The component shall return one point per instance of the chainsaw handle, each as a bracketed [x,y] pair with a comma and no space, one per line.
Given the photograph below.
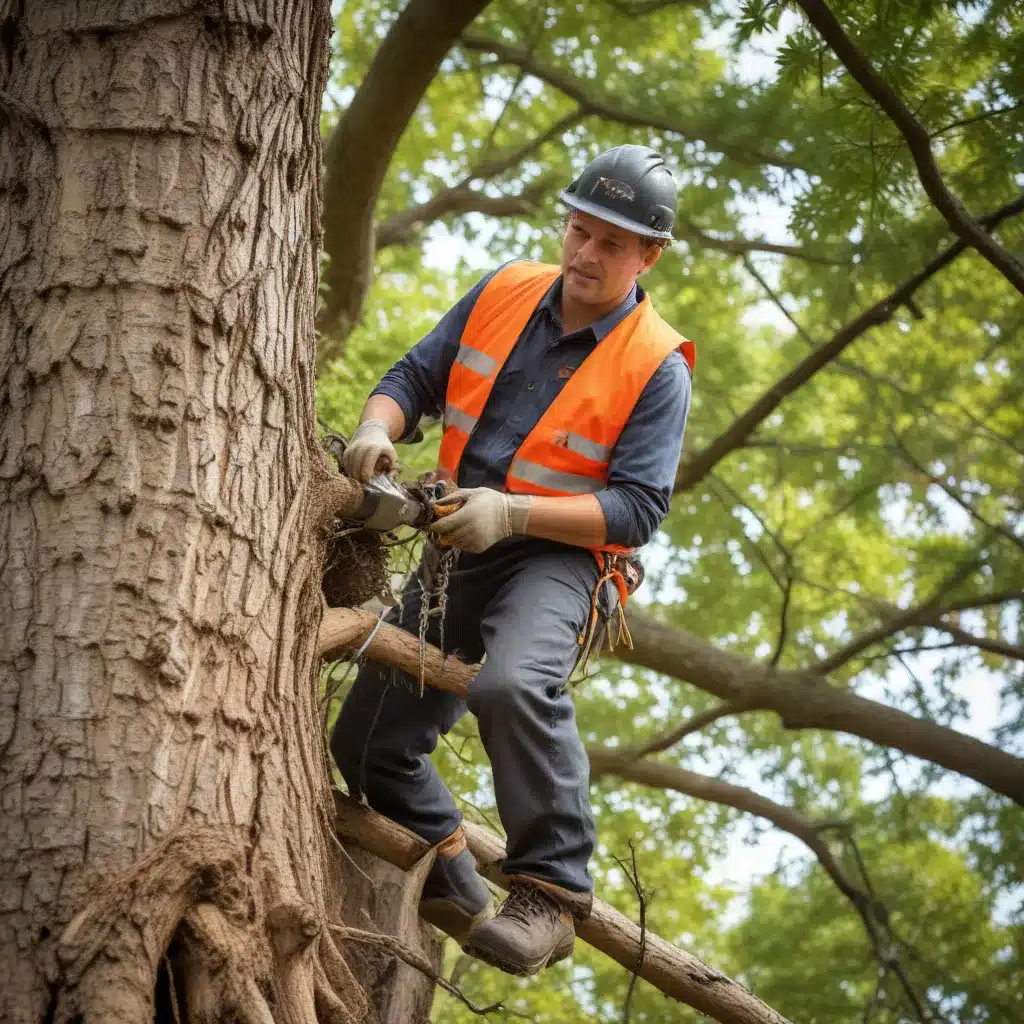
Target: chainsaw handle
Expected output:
[442,509]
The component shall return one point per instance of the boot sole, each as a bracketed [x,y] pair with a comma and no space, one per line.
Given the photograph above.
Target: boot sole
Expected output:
[519,969]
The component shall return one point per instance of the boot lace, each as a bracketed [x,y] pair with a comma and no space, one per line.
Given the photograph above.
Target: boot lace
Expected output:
[524,902]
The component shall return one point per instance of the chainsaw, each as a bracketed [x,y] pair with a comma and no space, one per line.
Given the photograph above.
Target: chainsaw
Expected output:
[388,504]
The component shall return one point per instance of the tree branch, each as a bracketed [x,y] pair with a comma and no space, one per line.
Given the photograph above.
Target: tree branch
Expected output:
[985,115]
[594,103]
[954,495]
[663,741]
[393,945]
[638,8]
[693,470]
[402,227]
[690,232]
[898,622]
[804,700]
[918,141]
[605,761]
[983,643]
[673,971]
[361,147]
[460,198]
[609,761]
[504,162]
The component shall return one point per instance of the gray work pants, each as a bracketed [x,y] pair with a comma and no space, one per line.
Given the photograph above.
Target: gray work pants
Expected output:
[523,603]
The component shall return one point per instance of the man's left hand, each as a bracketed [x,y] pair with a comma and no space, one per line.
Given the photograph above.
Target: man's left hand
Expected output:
[485,517]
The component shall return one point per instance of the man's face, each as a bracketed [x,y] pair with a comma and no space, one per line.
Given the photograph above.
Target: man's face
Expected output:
[600,262]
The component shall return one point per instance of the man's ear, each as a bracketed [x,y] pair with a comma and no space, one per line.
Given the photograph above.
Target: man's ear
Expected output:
[651,256]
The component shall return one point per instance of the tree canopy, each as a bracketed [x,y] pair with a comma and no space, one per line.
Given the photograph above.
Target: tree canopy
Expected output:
[829,644]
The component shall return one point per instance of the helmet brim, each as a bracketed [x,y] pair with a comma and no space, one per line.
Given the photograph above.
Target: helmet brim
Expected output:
[586,206]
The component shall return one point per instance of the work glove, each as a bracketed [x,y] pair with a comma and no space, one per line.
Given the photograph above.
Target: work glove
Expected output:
[484,517]
[369,451]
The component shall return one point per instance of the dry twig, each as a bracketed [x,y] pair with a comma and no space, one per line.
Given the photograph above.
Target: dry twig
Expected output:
[642,896]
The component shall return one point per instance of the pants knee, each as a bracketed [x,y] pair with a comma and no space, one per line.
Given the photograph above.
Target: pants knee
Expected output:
[508,690]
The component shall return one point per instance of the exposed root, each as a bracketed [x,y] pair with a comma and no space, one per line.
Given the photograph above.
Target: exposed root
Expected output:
[235,962]
[222,962]
[111,951]
[336,977]
[329,1007]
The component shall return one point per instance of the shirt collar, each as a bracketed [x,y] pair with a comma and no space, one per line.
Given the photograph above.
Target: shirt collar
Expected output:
[552,306]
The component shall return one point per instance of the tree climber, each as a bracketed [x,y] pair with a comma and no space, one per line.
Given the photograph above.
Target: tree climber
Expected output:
[564,399]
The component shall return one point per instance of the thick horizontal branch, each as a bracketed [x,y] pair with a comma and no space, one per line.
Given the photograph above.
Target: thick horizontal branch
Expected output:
[918,141]
[362,145]
[673,971]
[594,102]
[805,700]
[694,469]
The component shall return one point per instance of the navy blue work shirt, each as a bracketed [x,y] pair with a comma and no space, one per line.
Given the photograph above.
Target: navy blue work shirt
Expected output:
[642,469]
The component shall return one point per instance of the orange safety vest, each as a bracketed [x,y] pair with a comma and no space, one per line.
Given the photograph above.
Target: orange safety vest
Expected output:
[569,449]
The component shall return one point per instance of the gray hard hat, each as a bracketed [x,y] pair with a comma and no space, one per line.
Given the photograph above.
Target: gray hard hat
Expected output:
[630,187]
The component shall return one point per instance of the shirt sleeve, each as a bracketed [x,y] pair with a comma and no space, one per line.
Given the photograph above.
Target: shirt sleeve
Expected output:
[642,471]
[419,380]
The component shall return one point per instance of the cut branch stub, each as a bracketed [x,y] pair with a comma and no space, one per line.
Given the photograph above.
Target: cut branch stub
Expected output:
[348,629]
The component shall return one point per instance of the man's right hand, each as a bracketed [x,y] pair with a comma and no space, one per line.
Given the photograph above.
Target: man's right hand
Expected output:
[369,452]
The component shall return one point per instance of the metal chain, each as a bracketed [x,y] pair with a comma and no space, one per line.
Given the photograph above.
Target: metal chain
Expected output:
[438,590]
[448,560]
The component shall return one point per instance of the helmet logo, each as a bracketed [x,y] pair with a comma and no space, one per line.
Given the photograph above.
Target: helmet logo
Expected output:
[614,189]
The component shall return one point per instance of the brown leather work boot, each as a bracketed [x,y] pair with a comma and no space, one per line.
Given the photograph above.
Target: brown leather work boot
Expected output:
[454,895]
[533,929]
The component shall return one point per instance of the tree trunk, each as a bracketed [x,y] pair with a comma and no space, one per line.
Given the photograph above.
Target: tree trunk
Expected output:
[165,811]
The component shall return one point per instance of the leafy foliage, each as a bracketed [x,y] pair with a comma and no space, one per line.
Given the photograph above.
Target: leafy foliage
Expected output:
[866,490]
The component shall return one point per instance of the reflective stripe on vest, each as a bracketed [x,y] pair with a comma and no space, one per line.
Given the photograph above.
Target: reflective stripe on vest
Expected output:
[553,479]
[478,362]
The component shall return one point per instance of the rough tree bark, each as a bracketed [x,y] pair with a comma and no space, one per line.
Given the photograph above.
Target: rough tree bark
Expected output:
[161,515]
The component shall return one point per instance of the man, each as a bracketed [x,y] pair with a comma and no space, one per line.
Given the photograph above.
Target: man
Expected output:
[564,398]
